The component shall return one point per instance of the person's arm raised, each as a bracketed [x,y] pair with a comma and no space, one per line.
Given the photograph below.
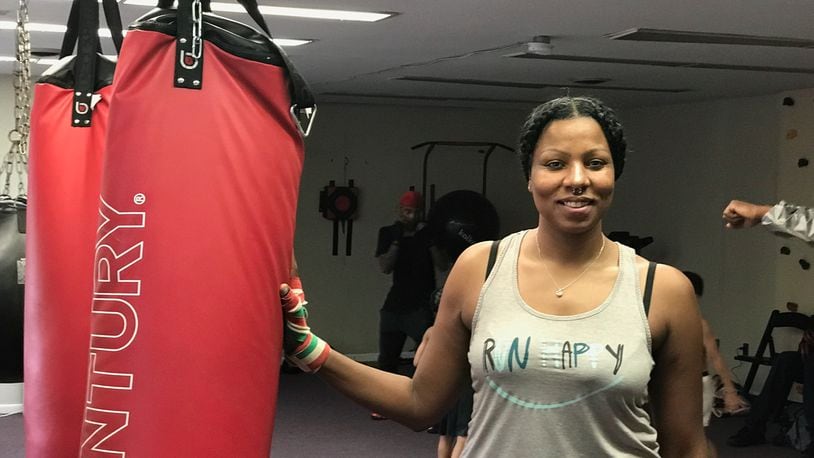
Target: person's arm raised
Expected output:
[739,214]
[782,218]
[675,383]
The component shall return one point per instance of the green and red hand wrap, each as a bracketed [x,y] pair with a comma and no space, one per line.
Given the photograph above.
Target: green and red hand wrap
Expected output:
[301,346]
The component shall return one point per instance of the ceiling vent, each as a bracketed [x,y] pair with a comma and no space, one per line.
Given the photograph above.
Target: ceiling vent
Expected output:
[681,36]
[361,95]
[590,81]
[664,63]
[525,85]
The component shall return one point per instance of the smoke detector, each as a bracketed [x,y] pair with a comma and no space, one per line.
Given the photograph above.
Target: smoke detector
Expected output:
[541,45]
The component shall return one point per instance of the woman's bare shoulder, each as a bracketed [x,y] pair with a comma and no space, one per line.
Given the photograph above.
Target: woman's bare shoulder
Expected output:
[667,280]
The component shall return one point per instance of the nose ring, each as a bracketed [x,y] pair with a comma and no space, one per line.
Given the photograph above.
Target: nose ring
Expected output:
[578,191]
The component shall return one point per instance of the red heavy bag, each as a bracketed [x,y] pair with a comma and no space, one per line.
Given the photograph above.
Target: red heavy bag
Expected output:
[197,214]
[68,125]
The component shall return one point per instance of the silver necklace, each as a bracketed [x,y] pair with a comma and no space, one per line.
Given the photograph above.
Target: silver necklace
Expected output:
[561,290]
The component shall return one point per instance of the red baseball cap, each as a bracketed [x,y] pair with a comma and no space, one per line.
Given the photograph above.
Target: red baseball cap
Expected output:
[410,199]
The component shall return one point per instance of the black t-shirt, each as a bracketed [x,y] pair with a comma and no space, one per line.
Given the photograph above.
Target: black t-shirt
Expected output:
[413,277]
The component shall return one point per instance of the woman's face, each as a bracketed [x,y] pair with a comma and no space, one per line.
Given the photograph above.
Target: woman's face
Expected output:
[572,177]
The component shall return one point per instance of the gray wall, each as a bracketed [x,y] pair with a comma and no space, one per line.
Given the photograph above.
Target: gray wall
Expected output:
[795,140]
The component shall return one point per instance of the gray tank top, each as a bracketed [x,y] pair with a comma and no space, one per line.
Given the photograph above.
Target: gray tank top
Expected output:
[559,386]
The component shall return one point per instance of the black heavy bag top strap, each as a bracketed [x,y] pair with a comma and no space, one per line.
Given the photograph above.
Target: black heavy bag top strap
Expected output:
[83,27]
[114,23]
[301,95]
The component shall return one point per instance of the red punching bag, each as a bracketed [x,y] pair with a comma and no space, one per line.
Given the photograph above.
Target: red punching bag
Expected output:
[197,213]
[68,125]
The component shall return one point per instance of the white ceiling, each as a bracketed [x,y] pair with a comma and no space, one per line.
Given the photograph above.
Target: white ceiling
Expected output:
[452,39]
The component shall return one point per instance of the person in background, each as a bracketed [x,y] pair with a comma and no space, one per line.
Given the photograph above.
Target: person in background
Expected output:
[787,367]
[572,336]
[733,402]
[403,250]
[791,366]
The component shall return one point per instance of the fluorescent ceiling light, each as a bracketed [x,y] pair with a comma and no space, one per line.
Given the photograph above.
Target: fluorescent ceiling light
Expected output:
[290,42]
[34,27]
[34,60]
[105,33]
[310,13]
[42,27]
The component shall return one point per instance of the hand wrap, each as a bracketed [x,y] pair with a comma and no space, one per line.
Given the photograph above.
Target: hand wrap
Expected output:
[301,346]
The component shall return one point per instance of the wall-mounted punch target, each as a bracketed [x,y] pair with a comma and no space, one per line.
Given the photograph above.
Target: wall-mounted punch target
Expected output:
[339,204]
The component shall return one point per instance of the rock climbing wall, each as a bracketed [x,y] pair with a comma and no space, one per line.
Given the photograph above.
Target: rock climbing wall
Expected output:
[795,182]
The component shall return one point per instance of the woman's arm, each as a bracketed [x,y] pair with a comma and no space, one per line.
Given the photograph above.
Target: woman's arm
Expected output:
[675,384]
[732,400]
[420,401]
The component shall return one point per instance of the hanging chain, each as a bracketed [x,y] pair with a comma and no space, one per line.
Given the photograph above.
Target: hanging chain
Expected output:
[197,29]
[17,158]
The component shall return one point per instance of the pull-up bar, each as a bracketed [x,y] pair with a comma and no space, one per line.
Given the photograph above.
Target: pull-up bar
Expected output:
[489,149]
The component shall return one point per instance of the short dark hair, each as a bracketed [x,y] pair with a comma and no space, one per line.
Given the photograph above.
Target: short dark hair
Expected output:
[570,108]
[697,282]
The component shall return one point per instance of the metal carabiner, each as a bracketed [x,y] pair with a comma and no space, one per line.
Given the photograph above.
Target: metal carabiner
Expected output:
[309,112]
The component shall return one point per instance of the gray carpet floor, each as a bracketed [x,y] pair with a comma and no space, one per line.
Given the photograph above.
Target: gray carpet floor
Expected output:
[339,428]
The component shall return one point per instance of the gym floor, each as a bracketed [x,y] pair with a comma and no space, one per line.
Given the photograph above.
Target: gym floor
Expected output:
[314,420]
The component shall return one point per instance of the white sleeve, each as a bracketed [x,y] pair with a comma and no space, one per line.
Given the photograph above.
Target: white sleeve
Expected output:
[791,219]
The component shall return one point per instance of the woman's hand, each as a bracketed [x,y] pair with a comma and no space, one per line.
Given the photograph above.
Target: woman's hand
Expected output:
[301,346]
[733,403]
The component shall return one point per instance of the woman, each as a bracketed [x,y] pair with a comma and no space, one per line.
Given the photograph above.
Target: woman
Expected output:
[564,357]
